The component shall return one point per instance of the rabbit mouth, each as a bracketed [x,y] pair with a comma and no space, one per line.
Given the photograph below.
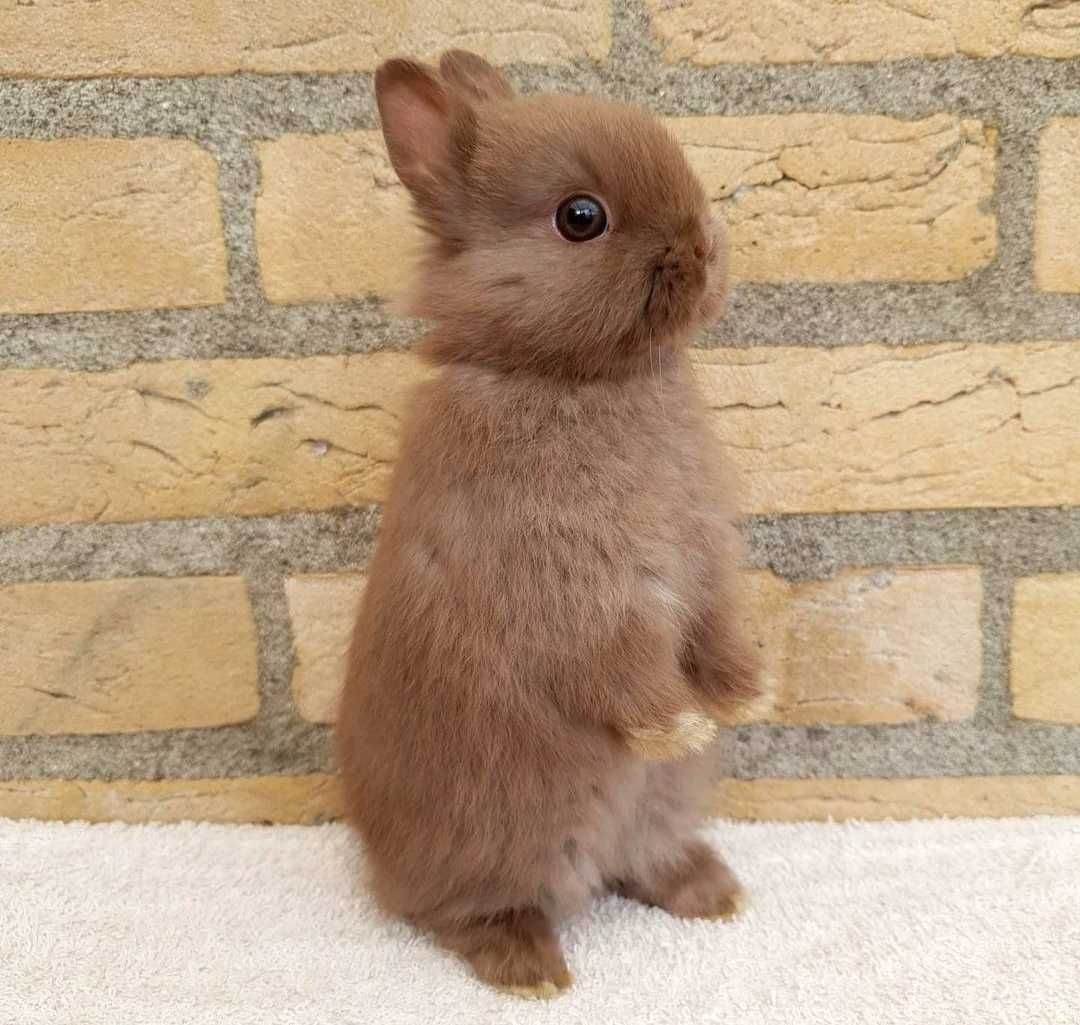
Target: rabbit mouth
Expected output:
[650,295]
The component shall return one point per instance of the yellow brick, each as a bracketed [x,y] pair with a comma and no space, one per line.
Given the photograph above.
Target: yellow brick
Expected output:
[226,437]
[1057,218]
[299,800]
[818,800]
[811,430]
[870,646]
[144,37]
[877,427]
[108,224]
[331,219]
[812,197]
[317,798]
[831,197]
[117,656]
[707,32]
[1045,648]
[323,610]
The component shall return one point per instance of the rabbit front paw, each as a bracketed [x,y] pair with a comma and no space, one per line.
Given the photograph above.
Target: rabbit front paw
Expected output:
[688,733]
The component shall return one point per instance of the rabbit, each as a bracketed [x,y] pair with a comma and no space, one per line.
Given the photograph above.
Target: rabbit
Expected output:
[550,624]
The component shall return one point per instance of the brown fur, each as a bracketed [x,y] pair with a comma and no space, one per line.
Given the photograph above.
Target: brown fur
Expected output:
[550,602]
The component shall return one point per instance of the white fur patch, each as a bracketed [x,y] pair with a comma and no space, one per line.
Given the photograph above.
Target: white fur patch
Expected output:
[666,595]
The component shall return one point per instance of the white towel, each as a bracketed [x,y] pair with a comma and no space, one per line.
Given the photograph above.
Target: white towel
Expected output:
[926,923]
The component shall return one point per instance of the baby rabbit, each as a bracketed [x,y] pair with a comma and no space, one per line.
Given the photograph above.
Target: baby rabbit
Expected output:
[548,622]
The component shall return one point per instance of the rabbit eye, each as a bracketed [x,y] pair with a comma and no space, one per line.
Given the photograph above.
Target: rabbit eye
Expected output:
[580,219]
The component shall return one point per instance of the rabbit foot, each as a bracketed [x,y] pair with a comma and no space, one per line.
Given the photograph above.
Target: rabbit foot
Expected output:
[515,952]
[700,885]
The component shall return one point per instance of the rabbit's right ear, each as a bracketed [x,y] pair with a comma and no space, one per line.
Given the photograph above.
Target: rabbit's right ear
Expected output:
[475,76]
[416,121]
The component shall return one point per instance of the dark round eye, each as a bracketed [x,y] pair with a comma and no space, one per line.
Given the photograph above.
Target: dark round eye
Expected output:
[580,219]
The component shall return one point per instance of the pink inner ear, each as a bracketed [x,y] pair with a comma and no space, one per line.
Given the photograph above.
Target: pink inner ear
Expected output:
[416,127]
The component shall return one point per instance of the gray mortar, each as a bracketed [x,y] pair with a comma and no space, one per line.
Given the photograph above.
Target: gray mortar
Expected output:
[229,115]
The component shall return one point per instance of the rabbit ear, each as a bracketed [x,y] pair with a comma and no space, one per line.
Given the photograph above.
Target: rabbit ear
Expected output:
[416,122]
[475,76]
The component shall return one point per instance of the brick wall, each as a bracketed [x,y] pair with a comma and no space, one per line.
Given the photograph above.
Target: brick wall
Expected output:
[200,384]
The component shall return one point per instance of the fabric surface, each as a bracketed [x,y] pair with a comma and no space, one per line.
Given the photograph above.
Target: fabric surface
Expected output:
[935,923]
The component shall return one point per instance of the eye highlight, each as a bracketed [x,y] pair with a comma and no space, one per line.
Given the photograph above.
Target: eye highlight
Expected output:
[580,219]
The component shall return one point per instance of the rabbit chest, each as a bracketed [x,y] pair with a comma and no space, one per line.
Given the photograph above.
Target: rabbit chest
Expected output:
[581,499]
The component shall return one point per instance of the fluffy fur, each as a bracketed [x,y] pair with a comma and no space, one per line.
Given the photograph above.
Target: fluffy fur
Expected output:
[548,620]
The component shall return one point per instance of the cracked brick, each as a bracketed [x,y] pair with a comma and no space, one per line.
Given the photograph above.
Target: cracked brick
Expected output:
[87,38]
[837,198]
[806,197]
[878,428]
[130,444]
[809,430]
[710,32]
[118,656]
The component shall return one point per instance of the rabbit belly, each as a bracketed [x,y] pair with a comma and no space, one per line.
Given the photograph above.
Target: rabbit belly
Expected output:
[539,829]
[641,824]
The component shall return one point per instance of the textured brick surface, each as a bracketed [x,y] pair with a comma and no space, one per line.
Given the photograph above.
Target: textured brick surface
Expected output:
[322,609]
[884,645]
[139,37]
[108,224]
[298,800]
[117,656]
[870,646]
[792,800]
[812,430]
[825,197]
[193,438]
[1057,219]
[317,798]
[331,219]
[708,32]
[924,427]
[805,197]
[869,202]
[1045,671]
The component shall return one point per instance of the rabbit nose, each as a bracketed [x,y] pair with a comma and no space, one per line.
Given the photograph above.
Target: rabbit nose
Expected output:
[697,240]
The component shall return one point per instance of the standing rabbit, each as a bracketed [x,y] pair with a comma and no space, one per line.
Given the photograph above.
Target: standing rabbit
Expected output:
[548,622]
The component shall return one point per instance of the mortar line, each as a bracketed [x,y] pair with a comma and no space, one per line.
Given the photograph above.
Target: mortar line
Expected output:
[238,186]
[1016,541]
[264,106]
[286,739]
[275,644]
[823,751]
[994,710]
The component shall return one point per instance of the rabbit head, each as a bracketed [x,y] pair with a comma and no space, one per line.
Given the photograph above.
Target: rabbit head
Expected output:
[567,234]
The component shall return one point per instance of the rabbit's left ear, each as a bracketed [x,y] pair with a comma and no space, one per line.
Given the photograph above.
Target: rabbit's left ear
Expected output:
[474,76]
[416,113]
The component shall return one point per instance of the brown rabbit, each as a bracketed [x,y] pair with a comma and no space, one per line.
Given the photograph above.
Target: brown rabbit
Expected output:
[548,618]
